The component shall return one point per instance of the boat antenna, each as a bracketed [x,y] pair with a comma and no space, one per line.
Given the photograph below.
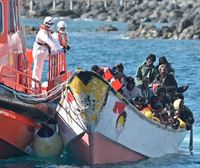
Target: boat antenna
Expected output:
[191,141]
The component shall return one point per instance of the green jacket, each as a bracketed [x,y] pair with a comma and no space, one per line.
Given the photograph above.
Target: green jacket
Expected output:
[144,71]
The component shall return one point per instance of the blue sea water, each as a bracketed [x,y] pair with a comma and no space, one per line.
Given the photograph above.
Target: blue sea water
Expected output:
[89,47]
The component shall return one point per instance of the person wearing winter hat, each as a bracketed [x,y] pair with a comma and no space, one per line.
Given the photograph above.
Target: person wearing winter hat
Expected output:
[166,80]
[163,60]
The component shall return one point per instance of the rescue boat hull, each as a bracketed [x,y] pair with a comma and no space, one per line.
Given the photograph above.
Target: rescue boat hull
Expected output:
[24,102]
[8,150]
[106,124]
[16,133]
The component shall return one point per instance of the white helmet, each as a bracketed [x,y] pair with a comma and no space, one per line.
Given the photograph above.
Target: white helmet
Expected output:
[48,21]
[61,27]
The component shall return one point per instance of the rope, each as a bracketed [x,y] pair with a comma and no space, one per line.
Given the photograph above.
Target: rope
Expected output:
[80,125]
[39,98]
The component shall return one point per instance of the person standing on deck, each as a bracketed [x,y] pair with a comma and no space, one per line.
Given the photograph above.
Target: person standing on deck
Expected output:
[60,36]
[43,47]
[147,70]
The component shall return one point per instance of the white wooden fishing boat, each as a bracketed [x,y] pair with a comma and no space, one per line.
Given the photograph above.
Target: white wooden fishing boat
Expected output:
[99,126]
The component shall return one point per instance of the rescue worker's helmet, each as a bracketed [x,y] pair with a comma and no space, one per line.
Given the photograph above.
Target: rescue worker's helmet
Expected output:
[49,22]
[61,27]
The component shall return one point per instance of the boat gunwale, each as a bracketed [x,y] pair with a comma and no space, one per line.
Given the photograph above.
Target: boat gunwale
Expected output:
[19,118]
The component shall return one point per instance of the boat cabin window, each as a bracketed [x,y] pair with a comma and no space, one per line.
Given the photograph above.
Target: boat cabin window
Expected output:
[1,17]
[13,16]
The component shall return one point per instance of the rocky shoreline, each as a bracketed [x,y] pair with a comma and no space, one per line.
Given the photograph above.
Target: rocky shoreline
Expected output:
[166,19]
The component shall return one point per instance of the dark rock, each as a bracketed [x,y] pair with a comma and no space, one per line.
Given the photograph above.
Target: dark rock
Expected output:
[152,4]
[196,23]
[87,16]
[102,16]
[123,17]
[186,33]
[132,11]
[184,23]
[107,28]
[174,16]
[147,19]
[133,25]
[166,29]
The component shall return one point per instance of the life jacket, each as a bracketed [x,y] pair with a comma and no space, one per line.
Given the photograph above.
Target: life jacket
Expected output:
[63,41]
[107,74]
[43,27]
[116,84]
[147,111]
[182,124]
[156,119]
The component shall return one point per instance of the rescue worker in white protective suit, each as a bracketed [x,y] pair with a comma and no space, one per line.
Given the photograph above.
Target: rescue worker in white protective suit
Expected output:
[44,45]
[61,37]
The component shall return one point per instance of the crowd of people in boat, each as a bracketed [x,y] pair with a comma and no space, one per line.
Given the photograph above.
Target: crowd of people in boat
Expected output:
[154,91]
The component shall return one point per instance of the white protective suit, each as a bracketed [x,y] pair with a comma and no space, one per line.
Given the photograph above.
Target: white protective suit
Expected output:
[41,51]
[60,37]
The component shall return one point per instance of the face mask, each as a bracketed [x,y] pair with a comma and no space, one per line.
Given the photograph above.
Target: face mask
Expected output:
[62,31]
[49,27]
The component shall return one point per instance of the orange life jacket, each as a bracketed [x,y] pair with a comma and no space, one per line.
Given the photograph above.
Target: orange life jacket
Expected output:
[44,28]
[147,108]
[116,84]
[63,42]
[107,74]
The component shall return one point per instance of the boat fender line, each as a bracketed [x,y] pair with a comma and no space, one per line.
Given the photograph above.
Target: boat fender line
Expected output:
[191,141]
[52,124]
[40,111]
[32,99]
[67,111]
[47,143]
